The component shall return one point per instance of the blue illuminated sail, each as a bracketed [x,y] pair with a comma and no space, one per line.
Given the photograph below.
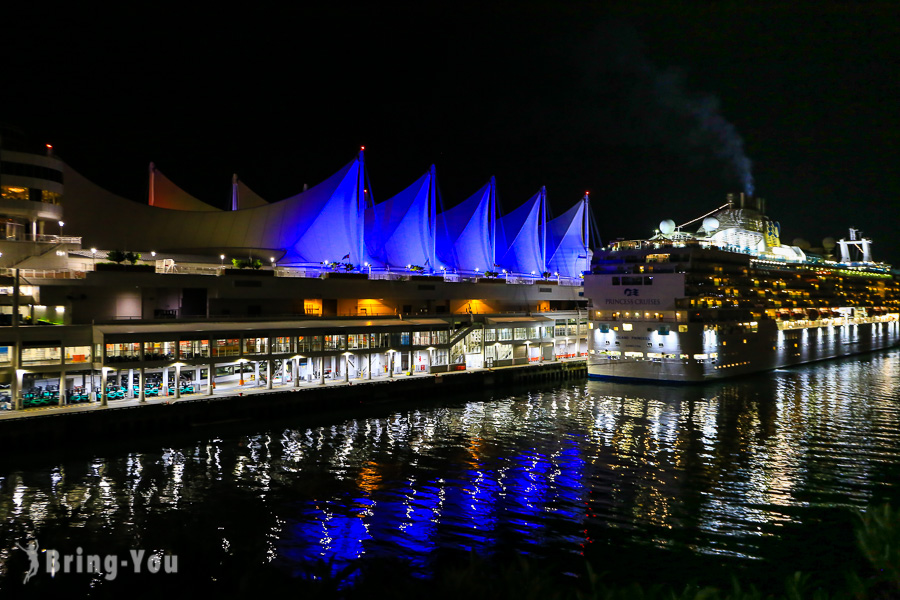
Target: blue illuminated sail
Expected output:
[465,233]
[520,237]
[400,230]
[567,250]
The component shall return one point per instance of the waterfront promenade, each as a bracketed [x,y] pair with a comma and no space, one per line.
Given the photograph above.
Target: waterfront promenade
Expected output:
[86,423]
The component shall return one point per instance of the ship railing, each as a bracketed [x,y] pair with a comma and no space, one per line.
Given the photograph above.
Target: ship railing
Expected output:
[44,273]
[519,280]
[571,281]
[388,276]
[807,323]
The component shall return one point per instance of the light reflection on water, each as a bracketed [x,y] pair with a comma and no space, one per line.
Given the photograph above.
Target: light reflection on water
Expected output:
[716,468]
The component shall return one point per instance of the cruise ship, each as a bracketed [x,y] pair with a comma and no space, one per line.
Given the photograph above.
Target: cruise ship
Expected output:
[721,296]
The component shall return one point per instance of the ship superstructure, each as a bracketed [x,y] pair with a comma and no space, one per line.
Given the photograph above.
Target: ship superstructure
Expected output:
[730,298]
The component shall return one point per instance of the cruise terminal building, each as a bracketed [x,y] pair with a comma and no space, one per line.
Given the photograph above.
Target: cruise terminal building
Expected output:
[103,297]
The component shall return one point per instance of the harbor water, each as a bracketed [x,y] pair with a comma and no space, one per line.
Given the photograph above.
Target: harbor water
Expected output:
[756,476]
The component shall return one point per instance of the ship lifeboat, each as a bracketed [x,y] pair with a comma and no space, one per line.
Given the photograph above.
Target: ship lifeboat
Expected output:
[785,316]
[812,314]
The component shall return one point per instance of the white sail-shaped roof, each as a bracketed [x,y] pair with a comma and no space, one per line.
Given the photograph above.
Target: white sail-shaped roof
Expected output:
[243,197]
[520,237]
[164,193]
[400,230]
[567,243]
[322,224]
[465,233]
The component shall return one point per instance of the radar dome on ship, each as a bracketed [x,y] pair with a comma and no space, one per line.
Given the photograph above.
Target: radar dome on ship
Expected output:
[666,227]
[710,223]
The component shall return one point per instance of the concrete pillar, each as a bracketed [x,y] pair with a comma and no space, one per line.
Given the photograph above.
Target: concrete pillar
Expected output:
[370,367]
[16,389]
[103,377]
[410,364]
[177,381]
[483,343]
[61,397]
[62,388]
[165,381]
[431,359]
[541,330]
[346,368]
[131,383]
[197,371]
[142,382]
[269,374]
[211,380]
[256,373]
[391,364]
[322,370]
[295,372]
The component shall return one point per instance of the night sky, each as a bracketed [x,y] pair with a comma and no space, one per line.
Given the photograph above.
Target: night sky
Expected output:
[657,109]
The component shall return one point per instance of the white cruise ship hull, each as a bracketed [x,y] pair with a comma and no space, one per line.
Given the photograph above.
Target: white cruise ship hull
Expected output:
[704,353]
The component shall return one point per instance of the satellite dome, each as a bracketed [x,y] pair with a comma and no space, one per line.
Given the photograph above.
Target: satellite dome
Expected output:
[666,227]
[710,223]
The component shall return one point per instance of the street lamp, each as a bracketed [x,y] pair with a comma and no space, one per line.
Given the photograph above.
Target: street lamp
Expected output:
[222,260]
[272,261]
[94,258]
[61,228]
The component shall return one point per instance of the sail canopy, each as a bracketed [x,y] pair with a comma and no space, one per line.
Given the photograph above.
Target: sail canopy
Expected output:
[322,224]
[520,237]
[164,193]
[465,233]
[567,243]
[400,230]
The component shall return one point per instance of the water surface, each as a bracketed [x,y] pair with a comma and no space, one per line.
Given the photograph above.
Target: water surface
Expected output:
[756,474]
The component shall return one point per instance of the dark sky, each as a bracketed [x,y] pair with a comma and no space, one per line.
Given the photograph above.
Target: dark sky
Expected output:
[649,107]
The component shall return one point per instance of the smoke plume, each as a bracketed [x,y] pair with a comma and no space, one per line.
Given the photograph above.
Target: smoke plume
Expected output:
[645,105]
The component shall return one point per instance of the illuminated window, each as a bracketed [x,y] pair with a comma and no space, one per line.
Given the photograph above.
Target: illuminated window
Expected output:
[627,327]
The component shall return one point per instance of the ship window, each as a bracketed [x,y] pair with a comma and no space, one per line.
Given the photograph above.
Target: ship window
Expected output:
[627,327]
[616,281]
[682,328]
